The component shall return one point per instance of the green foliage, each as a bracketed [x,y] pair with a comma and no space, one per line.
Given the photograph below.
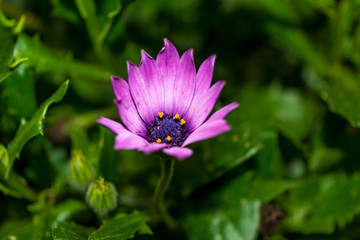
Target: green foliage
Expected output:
[292,65]
[68,231]
[122,227]
[321,203]
[6,50]
[33,127]
[240,222]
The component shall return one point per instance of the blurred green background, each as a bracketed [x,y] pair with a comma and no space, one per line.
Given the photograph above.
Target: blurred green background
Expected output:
[289,169]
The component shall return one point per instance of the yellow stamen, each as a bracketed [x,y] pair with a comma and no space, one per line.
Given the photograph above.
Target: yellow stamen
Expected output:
[168,138]
[177,116]
[158,140]
[161,114]
[182,122]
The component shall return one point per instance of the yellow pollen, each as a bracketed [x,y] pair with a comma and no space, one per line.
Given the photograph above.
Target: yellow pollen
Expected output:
[161,114]
[182,122]
[158,140]
[168,138]
[177,116]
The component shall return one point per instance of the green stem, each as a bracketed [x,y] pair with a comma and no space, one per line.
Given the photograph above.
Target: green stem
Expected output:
[167,169]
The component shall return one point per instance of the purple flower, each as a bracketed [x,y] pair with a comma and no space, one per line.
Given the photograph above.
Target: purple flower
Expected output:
[166,104]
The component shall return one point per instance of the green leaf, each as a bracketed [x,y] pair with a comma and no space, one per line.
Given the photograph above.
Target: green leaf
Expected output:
[121,227]
[65,11]
[29,129]
[6,51]
[321,203]
[240,222]
[340,89]
[20,230]
[26,229]
[324,157]
[46,60]
[296,42]
[70,231]
[250,188]
[268,159]
[250,133]
[15,185]
[99,27]
[20,85]
[68,208]
[281,9]
[87,11]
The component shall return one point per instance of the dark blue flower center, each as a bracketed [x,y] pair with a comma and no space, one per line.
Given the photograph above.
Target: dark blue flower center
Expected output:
[167,129]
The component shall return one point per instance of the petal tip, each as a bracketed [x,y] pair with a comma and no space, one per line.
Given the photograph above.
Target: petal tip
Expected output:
[130,66]
[212,59]
[99,119]
[115,78]
[167,43]
[144,55]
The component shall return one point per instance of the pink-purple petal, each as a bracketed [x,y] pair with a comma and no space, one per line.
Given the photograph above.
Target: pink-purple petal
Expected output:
[223,112]
[127,110]
[152,147]
[180,153]
[208,130]
[124,139]
[184,85]
[202,106]
[127,140]
[112,125]
[149,70]
[167,61]
[204,75]
[139,93]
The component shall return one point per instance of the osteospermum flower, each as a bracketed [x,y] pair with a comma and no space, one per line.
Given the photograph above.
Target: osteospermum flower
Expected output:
[166,104]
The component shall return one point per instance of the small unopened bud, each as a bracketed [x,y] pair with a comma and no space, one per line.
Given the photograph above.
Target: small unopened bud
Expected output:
[101,196]
[81,173]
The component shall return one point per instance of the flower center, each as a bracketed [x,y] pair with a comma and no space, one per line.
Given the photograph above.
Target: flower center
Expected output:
[167,129]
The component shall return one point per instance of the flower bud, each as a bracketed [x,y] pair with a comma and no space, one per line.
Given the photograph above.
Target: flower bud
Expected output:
[101,196]
[80,173]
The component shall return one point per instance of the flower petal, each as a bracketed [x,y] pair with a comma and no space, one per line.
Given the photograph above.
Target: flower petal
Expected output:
[152,147]
[202,106]
[127,110]
[139,93]
[124,139]
[127,140]
[149,70]
[208,130]
[180,153]
[204,75]
[184,85]
[167,61]
[223,112]
[112,125]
